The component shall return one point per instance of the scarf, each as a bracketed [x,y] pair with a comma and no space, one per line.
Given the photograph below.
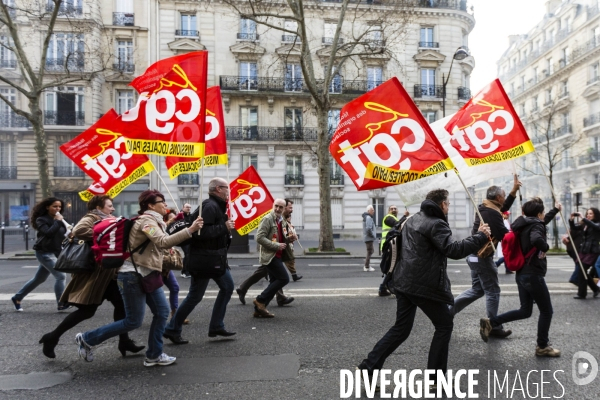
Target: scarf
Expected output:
[100,214]
[157,217]
[493,204]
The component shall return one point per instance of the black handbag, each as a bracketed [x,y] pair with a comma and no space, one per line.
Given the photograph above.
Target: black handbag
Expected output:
[76,257]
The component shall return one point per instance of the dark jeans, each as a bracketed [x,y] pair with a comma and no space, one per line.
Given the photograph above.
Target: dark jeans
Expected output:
[583,283]
[438,313]
[532,288]
[171,282]
[278,278]
[195,295]
[87,311]
[260,273]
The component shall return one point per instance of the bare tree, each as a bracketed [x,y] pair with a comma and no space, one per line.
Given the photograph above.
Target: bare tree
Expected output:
[360,30]
[30,23]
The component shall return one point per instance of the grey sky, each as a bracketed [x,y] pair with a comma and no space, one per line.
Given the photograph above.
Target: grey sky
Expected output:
[495,21]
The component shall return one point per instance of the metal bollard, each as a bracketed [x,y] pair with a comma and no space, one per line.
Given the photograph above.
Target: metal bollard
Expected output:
[26,237]
[2,238]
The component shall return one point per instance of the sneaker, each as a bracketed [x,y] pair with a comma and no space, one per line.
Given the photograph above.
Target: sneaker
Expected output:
[162,360]
[485,327]
[17,304]
[85,350]
[368,269]
[63,307]
[185,276]
[547,351]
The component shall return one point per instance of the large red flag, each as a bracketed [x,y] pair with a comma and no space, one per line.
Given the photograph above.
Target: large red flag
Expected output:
[487,129]
[101,153]
[215,150]
[250,201]
[168,118]
[383,140]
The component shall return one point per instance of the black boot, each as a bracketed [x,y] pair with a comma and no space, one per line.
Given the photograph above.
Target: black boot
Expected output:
[49,344]
[295,277]
[129,345]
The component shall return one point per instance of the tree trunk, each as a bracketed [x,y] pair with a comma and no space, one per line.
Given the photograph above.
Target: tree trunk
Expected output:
[554,201]
[41,146]
[323,157]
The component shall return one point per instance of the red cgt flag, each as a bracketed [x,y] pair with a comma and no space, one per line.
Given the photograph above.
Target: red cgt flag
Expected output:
[101,153]
[215,150]
[382,140]
[250,200]
[168,118]
[487,129]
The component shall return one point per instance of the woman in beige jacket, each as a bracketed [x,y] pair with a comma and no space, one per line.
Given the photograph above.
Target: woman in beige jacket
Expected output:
[150,228]
[88,291]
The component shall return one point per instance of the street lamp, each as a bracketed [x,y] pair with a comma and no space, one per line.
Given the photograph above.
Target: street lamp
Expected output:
[460,54]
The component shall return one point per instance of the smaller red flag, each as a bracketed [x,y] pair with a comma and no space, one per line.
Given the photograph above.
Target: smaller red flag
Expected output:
[250,200]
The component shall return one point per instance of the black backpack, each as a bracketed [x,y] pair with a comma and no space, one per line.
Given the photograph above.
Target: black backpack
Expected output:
[392,247]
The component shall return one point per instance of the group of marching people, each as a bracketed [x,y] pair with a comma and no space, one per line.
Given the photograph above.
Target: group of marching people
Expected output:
[205,237]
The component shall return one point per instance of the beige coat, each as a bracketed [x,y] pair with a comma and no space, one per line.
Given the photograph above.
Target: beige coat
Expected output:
[87,288]
[146,227]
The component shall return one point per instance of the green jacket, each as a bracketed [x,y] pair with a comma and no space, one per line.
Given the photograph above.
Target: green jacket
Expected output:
[266,229]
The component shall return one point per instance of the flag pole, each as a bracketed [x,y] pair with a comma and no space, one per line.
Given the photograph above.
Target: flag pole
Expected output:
[561,214]
[515,172]
[166,187]
[201,186]
[474,204]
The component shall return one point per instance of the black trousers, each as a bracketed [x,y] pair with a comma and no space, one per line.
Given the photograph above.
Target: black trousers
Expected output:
[260,273]
[583,283]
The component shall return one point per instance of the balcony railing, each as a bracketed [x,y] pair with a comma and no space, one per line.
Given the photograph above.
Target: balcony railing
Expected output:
[183,32]
[123,19]
[464,93]
[73,118]
[269,84]
[591,120]
[252,36]
[65,9]
[68,172]
[188,179]
[431,45]
[589,158]
[9,119]
[268,133]
[329,40]
[294,180]
[291,39]
[8,63]
[451,4]
[336,179]
[124,66]
[73,62]
[8,172]
[429,91]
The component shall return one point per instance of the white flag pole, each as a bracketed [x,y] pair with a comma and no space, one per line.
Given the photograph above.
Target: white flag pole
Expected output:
[166,187]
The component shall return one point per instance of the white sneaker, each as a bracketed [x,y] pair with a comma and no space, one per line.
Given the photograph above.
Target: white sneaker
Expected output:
[369,269]
[85,350]
[163,359]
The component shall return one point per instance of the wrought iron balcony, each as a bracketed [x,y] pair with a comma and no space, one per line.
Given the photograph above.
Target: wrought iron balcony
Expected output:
[65,9]
[291,39]
[591,120]
[124,66]
[269,84]
[591,157]
[336,179]
[8,63]
[123,19]
[68,172]
[73,62]
[451,4]
[8,172]
[252,36]
[294,180]
[430,45]
[73,118]
[464,93]
[329,41]
[188,179]
[429,91]
[269,133]
[184,32]
[8,119]
[375,44]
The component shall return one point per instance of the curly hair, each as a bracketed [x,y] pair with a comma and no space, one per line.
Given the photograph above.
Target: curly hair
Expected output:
[148,197]
[97,201]
[41,209]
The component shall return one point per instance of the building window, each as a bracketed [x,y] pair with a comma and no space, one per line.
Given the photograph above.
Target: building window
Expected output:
[293,78]
[594,72]
[336,82]
[336,174]
[426,37]
[124,61]
[247,30]
[430,116]
[534,103]
[337,213]
[428,82]
[8,154]
[293,170]
[535,75]
[65,106]
[289,37]
[564,88]
[248,76]
[566,57]
[7,115]
[293,123]
[65,52]
[7,57]
[63,166]
[124,100]
[548,95]
[378,205]
[249,122]
[188,25]
[333,119]
[374,77]
[549,66]
[124,15]
[329,32]
[249,160]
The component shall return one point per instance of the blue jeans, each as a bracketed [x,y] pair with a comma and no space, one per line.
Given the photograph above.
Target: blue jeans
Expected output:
[484,281]
[195,295]
[173,285]
[47,262]
[278,278]
[532,288]
[135,301]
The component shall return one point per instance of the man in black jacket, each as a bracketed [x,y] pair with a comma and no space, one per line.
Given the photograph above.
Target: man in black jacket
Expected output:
[207,245]
[484,272]
[420,280]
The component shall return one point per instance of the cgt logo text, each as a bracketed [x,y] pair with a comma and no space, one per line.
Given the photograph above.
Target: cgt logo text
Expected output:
[461,384]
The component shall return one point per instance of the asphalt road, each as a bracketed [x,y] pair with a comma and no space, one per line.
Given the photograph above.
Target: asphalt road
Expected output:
[334,322]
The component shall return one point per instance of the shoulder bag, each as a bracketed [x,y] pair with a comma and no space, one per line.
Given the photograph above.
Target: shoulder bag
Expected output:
[76,257]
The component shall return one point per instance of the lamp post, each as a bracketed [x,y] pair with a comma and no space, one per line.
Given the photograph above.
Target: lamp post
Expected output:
[460,54]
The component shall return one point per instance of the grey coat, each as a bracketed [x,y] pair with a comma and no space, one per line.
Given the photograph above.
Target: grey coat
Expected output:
[368,228]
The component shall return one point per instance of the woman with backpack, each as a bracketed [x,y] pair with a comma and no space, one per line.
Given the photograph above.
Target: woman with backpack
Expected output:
[51,231]
[139,281]
[87,291]
[589,250]
[531,284]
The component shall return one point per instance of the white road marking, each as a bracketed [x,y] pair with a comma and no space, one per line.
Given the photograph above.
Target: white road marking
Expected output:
[30,266]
